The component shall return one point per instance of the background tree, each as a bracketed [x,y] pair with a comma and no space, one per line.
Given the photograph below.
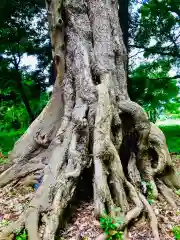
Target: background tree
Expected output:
[161,18]
[160,47]
[23,31]
[151,87]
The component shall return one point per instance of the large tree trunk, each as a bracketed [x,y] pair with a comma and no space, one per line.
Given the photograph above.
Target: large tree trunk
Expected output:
[89,121]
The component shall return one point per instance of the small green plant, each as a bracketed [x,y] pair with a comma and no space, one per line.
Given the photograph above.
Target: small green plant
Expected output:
[176,232]
[177,213]
[150,201]
[21,235]
[4,222]
[149,190]
[178,192]
[109,224]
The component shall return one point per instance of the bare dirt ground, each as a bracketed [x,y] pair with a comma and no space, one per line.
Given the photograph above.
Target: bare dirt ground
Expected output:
[83,223]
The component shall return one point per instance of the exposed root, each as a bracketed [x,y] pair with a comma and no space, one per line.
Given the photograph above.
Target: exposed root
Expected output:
[102,236]
[5,166]
[142,126]
[135,212]
[31,223]
[171,178]
[167,193]
[17,171]
[30,180]
[102,195]
[164,166]
[133,172]
[59,181]
[152,217]
[125,234]
[158,143]
[132,214]
[117,180]
[106,155]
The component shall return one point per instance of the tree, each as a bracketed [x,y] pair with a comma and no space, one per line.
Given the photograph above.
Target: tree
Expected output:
[89,121]
[20,34]
[154,31]
[161,18]
[152,88]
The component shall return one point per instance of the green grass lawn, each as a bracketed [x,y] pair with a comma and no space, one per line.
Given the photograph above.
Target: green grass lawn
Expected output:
[172,134]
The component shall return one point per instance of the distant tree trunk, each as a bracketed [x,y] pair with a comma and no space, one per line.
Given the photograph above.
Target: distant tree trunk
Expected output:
[89,121]
[153,115]
[23,96]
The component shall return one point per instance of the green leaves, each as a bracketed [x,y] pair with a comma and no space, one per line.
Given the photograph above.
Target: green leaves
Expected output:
[22,236]
[151,86]
[23,32]
[176,232]
[149,191]
[150,201]
[4,222]
[157,33]
[162,21]
[110,224]
[178,192]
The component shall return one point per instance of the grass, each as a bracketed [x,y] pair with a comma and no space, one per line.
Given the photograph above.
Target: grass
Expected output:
[172,134]
[7,140]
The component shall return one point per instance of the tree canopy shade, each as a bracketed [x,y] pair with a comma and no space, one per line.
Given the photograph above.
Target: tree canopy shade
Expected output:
[90,123]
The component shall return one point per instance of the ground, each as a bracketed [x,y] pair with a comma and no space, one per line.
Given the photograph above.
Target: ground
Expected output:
[83,222]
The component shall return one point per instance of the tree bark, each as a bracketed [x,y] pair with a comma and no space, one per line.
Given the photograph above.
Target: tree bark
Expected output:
[89,121]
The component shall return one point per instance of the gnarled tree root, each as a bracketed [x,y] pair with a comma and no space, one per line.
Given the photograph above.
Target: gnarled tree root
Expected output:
[152,217]
[166,193]
[98,120]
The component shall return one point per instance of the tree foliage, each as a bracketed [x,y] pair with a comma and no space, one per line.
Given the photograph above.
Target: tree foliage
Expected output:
[23,32]
[155,33]
[159,29]
[151,86]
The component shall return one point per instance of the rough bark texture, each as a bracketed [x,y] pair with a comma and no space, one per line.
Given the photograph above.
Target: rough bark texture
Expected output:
[89,121]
